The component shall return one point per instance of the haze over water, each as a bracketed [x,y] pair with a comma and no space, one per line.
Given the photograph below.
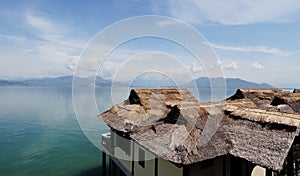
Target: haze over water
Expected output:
[40,134]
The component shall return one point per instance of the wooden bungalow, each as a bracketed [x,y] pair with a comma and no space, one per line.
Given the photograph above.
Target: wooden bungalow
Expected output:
[161,132]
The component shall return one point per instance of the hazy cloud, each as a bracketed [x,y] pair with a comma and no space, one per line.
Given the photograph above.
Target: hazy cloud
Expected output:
[257,66]
[167,23]
[234,12]
[258,49]
[71,64]
[12,38]
[43,23]
[229,66]
[195,68]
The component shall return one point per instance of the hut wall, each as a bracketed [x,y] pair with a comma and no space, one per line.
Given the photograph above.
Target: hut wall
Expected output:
[145,164]
[165,168]
[213,167]
[123,151]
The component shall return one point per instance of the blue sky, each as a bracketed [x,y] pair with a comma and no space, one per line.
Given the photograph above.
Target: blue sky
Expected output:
[256,41]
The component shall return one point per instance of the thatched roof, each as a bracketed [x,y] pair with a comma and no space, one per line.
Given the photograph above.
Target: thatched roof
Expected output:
[270,99]
[296,91]
[172,124]
[144,107]
[264,116]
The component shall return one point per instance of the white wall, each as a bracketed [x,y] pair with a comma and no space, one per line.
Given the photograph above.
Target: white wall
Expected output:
[149,169]
[258,171]
[165,168]
[122,156]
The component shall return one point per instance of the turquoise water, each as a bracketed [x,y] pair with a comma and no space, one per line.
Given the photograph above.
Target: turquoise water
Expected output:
[40,134]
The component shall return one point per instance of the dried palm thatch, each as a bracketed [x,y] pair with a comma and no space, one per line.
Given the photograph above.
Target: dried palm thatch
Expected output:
[144,107]
[264,116]
[172,124]
[270,99]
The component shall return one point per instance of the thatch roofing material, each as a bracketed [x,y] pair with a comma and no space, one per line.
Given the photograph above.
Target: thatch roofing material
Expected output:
[153,104]
[269,99]
[246,125]
[152,98]
[252,141]
[264,116]
[262,145]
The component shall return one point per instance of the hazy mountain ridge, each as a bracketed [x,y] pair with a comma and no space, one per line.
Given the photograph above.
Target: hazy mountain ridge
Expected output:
[66,81]
[10,83]
[232,83]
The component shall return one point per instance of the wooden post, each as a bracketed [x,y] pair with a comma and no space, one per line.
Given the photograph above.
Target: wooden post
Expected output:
[112,168]
[296,151]
[290,165]
[103,163]
[109,165]
[268,172]
[156,166]
[132,162]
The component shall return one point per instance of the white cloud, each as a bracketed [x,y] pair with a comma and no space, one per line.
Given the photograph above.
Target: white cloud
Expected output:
[45,52]
[108,69]
[234,12]
[229,66]
[62,40]
[258,49]
[38,22]
[71,64]
[50,30]
[195,68]
[153,76]
[44,24]
[12,38]
[257,66]
[167,23]
[144,63]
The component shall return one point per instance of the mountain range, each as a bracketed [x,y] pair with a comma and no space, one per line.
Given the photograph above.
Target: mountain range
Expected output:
[231,83]
[64,81]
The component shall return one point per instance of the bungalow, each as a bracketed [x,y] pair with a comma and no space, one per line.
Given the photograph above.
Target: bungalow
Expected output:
[161,132]
[296,91]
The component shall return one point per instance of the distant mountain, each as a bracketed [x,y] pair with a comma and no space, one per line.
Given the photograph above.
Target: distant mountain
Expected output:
[10,83]
[239,83]
[64,81]
[59,81]
[152,83]
[231,83]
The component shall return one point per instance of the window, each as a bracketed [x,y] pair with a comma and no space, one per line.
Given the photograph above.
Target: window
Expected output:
[142,158]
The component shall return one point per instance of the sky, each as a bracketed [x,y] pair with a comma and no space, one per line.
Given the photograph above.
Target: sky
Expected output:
[254,40]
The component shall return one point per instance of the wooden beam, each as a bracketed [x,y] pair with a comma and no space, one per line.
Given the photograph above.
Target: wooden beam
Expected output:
[132,162]
[103,163]
[156,166]
[268,172]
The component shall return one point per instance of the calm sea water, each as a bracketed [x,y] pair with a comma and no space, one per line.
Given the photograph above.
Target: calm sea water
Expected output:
[40,134]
